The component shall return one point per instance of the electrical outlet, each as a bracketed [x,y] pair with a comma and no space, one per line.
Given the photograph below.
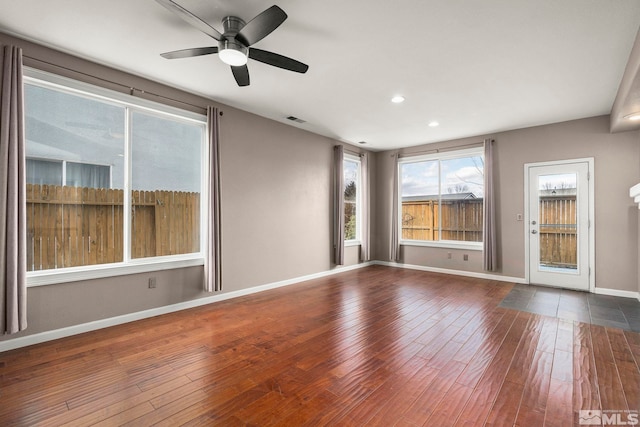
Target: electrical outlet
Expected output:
[152,282]
[448,255]
[465,257]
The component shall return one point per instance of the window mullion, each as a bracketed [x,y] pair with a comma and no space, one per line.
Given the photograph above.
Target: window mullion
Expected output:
[127,202]
[359,208]
[439,200]
[207,197]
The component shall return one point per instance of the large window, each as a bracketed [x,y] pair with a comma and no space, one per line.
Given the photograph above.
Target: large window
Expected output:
[111,180]
[352,205]
[441,198]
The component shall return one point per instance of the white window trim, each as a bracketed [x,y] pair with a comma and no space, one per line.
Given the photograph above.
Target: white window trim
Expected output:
[130,104]
[76,87]
[357,241]
[101,271]
[447,155]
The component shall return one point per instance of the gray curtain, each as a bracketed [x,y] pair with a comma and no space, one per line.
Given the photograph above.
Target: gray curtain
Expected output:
[365,250]
[489,228]
[338,205]
[213,257]
[13,217]
[395,239]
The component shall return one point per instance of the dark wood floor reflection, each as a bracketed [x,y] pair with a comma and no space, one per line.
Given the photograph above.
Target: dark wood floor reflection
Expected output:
[376,346]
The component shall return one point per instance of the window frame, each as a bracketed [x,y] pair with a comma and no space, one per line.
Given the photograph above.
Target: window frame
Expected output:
[356,159]
[438,156]
[130,104]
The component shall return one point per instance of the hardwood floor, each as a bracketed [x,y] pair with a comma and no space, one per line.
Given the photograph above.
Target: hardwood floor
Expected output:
[375,346]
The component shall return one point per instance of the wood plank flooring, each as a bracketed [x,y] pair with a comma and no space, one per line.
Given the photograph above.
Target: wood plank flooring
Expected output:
[378,346]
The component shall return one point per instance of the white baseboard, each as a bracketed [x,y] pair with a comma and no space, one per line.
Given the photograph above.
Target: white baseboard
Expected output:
[600,291]
[454,272]
[41,337]
[617,293]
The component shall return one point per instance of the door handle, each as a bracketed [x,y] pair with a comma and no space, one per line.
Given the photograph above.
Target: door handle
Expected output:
[534,231]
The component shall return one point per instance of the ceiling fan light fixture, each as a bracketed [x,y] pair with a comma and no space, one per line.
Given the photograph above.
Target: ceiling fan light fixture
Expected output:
[234,42]
[233,53]
[634,117]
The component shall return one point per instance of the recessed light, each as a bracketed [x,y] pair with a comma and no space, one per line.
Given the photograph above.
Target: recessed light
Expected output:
[433,124]
[397,99]
[633,116]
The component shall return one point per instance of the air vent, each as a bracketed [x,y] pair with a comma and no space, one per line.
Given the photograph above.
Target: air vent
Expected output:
[295,119]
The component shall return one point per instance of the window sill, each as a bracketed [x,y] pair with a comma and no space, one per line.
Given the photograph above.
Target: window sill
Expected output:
[468,246]
[75,274]
[352,243]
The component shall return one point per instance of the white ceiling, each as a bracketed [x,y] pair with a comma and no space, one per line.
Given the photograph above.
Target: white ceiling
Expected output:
[476,67]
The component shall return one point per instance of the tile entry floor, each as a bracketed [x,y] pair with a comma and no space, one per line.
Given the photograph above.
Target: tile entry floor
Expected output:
[603,310]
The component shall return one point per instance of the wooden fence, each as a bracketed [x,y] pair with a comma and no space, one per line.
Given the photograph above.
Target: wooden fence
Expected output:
[462,221]
[73,226]
[558,238]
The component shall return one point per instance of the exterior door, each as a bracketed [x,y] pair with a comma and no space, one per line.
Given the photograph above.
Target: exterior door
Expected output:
[558,229]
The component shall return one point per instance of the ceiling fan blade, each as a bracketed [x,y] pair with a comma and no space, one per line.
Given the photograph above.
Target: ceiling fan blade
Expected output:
[191,18]
[261,26]
[188,53]
[277,60]
[241,75]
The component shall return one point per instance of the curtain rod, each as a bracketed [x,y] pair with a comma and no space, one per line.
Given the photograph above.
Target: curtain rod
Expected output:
[131,89]
[442,150]
[355,153]
[347,150]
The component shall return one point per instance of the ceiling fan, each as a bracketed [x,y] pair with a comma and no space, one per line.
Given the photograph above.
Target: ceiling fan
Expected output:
[234,43]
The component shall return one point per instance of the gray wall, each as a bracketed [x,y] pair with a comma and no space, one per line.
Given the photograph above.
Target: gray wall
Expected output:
[276,201]
[616,169]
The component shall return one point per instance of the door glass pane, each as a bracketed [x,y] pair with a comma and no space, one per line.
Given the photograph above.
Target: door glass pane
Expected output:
[558,221]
